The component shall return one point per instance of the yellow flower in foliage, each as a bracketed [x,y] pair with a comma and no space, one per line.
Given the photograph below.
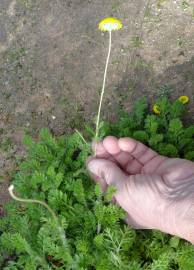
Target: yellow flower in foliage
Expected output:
[110,24]
[156,109]
[183,99]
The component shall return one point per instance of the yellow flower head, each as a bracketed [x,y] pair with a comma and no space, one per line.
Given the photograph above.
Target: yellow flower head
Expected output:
[156,109]
[110,24]
[183,99]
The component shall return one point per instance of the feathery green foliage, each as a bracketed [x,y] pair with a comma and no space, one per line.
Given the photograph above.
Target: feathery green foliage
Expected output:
[97,236]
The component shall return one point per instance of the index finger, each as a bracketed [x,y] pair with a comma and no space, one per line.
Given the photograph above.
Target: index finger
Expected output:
[138,150]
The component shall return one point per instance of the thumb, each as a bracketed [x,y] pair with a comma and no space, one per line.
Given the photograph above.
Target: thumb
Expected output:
[107,173]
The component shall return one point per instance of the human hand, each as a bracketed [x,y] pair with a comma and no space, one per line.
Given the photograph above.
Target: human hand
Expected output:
[156,192]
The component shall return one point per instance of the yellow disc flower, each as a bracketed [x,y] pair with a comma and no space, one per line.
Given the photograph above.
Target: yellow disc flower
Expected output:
[156,109]
[110,24]
[183,99]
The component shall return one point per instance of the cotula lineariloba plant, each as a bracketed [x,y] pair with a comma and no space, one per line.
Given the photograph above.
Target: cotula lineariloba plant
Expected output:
[107,24]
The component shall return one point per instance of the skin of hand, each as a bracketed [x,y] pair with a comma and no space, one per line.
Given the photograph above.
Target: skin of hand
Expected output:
[156,192]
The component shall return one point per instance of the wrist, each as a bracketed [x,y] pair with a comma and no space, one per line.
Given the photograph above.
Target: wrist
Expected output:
[188,233]
[185,230]
[180,225]
[185,223]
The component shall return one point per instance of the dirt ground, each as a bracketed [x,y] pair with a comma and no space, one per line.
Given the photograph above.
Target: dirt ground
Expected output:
[52,58]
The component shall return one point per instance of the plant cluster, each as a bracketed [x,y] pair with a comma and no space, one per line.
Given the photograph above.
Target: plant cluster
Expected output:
[93,229]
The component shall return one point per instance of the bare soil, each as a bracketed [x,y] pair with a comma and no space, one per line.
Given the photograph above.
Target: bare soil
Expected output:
[52,59]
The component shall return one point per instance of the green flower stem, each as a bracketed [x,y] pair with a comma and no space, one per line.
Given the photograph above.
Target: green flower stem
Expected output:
[77,131]
[101,97]
[103,89]
[98,227]
[60,230]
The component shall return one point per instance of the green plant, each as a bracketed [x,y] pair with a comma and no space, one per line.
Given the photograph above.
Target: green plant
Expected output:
[160,3]
[115,6]
[137,42]
[6,144]
[96,234]
[164,91]
[184,5]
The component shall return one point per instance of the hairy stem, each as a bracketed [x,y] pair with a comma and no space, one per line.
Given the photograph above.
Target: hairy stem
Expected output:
[103,88]
[60,230]
[77,131]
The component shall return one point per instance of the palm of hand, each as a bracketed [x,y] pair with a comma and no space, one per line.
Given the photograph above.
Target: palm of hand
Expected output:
[155,191]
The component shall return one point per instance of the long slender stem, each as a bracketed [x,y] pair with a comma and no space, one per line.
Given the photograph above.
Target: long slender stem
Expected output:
[77,131]
[61,232]
[103,88]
